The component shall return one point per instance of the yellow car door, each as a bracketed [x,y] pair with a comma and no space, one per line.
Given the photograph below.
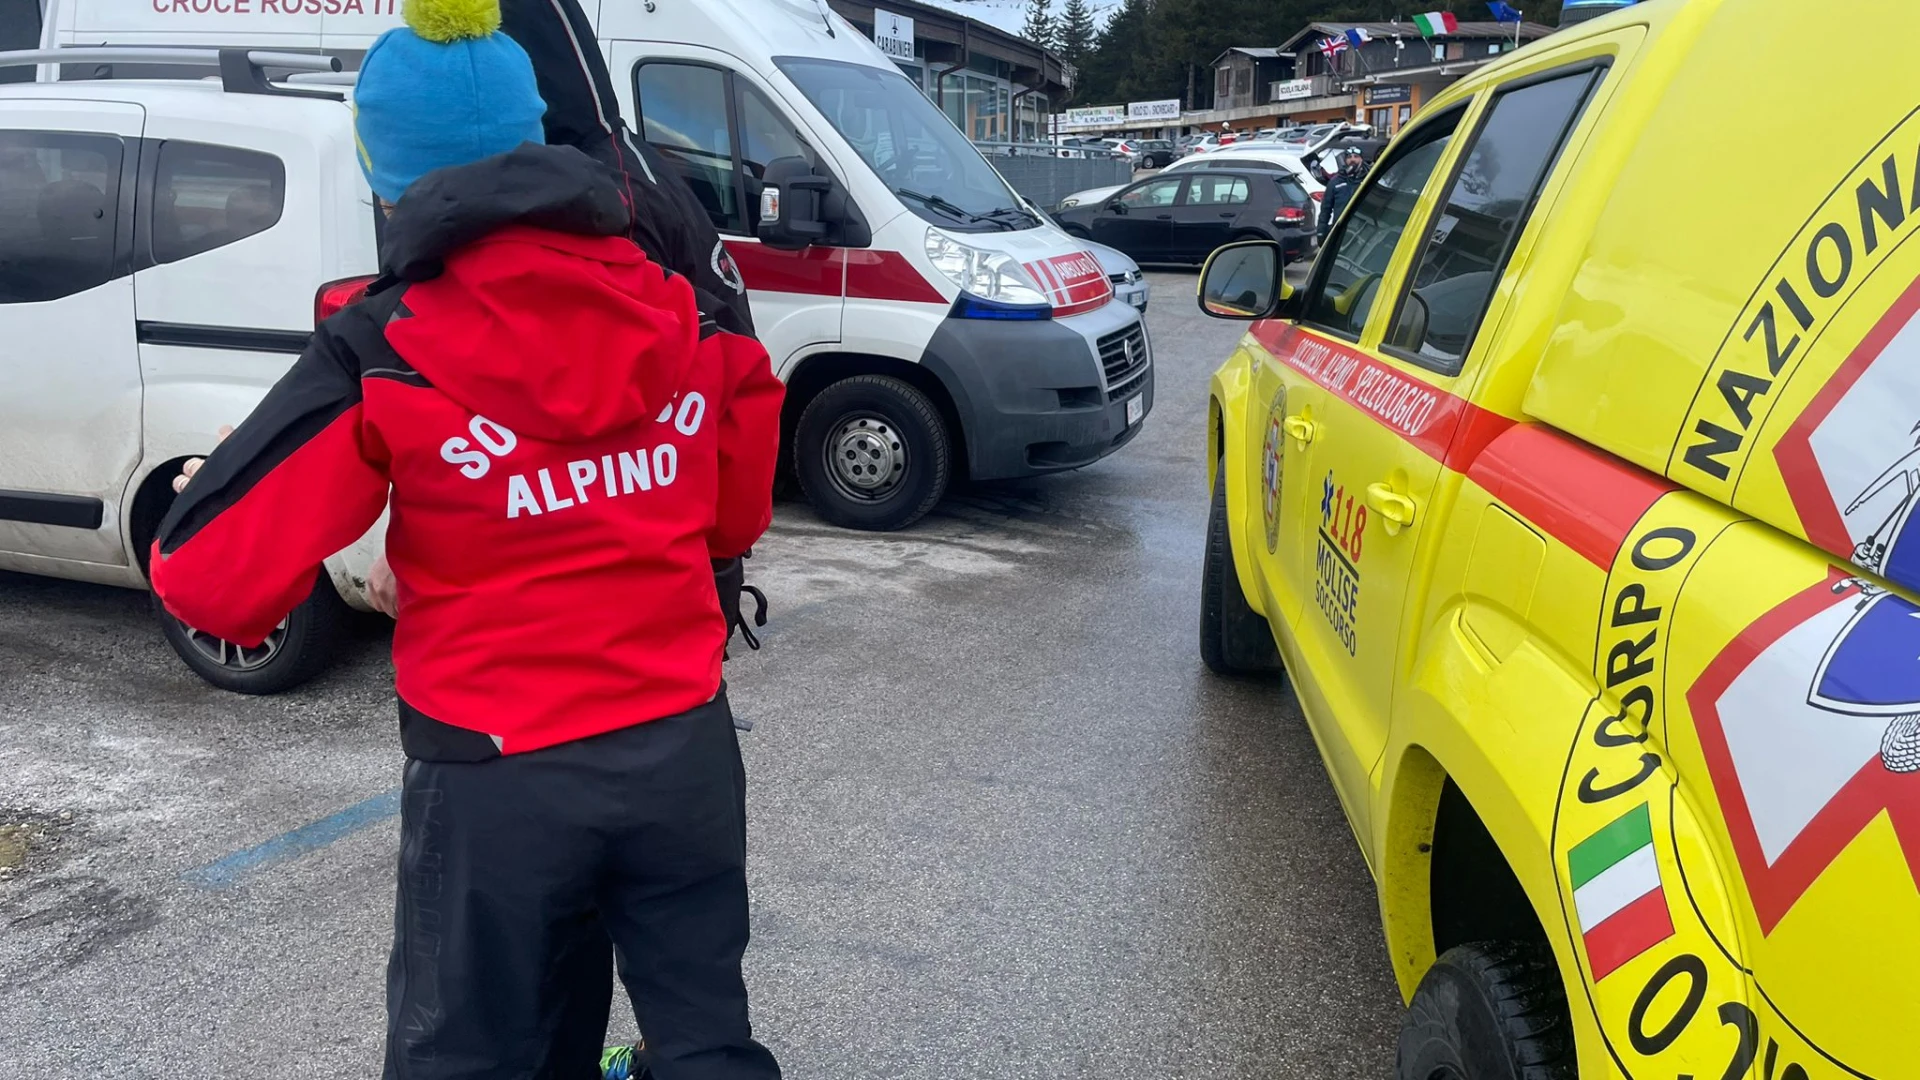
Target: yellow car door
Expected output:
[1392,315]
[1284,401]
[1319,358]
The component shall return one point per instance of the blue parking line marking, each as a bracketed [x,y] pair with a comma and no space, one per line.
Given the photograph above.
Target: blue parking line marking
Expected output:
[297,842]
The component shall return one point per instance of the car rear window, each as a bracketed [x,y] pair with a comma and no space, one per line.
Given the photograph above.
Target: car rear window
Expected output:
[1291,191]
[206,197]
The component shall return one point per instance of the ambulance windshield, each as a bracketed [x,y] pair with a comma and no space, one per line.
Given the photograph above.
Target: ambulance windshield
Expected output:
[913,147]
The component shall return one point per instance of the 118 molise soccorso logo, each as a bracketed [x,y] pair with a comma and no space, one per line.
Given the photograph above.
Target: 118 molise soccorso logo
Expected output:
[1342,539]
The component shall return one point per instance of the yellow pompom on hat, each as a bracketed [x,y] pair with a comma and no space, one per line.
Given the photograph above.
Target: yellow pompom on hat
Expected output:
[452,20]
[448,88]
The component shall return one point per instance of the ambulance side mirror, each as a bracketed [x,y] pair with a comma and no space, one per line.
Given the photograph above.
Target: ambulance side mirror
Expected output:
[801,205]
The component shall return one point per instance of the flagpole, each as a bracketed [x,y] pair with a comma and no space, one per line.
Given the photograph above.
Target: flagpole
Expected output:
[1516,26]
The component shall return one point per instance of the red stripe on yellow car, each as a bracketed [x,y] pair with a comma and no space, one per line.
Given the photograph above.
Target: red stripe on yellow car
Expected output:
[1522,465]
[1448,429]
[1531,468]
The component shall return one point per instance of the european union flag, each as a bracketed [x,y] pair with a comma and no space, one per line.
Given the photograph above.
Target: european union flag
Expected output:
[1874,667]
[1503,12]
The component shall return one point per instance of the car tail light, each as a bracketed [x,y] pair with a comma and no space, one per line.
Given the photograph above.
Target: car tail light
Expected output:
[335,295]
[1317,194]
[1289,215]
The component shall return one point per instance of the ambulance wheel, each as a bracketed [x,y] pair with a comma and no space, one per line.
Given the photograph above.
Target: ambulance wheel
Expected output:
[1489,1011]
[872,453]
[302,646]
[1234,639]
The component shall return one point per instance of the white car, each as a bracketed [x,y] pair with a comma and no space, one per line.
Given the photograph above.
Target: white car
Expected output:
[165,251]
[1304,162]
[1252,155]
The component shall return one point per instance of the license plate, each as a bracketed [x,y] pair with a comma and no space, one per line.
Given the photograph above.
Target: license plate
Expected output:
[1136,408]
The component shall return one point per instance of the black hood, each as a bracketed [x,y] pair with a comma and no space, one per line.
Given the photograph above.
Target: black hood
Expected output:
[547,187]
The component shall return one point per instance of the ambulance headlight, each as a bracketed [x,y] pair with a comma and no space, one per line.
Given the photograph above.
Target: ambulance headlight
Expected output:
[988,275]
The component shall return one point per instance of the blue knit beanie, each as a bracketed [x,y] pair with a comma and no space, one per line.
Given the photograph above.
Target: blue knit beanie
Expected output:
[446,89]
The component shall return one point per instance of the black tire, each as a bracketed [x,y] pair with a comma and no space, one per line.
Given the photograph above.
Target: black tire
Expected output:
[1234,639]
[1489,1011]
[305,648]
[880,429]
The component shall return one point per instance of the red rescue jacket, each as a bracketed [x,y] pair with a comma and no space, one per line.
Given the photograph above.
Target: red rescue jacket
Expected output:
[565,438]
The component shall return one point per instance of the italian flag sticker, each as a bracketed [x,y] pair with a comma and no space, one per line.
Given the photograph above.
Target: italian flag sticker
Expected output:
[1617,894]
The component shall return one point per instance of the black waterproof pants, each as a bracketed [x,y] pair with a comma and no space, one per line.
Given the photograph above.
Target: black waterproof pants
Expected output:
[513,870]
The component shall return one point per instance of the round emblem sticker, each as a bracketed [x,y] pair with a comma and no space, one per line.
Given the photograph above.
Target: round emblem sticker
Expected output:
[1270,452]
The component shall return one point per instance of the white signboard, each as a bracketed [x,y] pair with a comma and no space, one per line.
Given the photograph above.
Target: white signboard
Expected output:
[1292,89]
[1154,110]
[289,24]
[893,33]
[1098,116]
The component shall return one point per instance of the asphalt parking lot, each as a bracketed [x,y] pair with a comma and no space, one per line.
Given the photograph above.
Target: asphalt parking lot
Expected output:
[1003,822]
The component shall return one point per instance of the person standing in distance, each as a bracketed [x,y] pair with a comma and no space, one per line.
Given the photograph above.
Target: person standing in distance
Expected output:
[1353,168]
[566,438]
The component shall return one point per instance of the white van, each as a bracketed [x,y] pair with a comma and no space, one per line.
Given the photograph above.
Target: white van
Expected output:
[928,327]
[166,247]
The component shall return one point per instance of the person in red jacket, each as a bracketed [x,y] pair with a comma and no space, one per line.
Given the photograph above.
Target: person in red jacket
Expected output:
[567,437]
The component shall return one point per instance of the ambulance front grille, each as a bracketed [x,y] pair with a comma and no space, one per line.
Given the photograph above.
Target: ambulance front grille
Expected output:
[1123,360]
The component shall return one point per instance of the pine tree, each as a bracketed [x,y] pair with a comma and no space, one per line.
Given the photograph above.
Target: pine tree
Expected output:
[1076,31]
[1040,28]
[1075,36]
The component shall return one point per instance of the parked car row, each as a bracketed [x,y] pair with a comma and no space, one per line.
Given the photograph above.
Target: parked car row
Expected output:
[1184,216]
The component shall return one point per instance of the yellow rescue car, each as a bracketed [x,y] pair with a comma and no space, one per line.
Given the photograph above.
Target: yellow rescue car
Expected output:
[1577,488]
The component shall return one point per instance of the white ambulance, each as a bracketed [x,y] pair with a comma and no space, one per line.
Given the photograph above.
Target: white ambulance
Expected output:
[927,326]
[930,329]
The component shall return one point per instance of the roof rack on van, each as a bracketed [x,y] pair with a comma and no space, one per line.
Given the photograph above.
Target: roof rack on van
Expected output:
[242,71]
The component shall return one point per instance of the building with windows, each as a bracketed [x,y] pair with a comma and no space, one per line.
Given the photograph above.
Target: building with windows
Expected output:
[1255,88]
[1383,81]
[1395,70]
[995,86]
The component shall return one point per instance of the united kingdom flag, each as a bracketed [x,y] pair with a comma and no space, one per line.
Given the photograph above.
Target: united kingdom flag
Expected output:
[1332,47]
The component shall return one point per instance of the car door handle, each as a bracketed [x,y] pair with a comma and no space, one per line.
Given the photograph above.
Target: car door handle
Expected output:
[1299,429]
[1230,214]
[1390,504]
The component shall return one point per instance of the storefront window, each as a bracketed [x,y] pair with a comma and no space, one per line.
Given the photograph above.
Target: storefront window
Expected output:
[953,98]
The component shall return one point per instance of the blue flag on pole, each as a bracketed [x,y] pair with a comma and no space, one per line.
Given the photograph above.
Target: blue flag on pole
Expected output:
[1503,12]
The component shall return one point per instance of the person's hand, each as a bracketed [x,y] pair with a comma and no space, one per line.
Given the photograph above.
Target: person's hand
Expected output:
[382,590]
[193,464]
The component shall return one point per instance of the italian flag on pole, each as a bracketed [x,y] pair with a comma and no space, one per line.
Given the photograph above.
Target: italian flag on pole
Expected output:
[1436,22]
[1617,895]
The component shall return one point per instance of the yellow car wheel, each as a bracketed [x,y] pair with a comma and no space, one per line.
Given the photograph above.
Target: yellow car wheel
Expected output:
[1234,639]
[1489,1011]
